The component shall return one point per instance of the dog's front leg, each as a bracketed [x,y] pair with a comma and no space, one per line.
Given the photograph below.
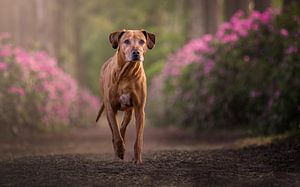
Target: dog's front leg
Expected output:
[139,120]
[118,141]
[125,122]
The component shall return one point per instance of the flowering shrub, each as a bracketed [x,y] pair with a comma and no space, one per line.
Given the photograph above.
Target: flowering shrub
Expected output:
[35,93]
[248,73]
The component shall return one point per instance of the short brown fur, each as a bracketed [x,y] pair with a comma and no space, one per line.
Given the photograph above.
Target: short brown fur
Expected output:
[123,87]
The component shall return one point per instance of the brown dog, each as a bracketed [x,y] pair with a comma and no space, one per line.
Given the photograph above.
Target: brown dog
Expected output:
[123,86]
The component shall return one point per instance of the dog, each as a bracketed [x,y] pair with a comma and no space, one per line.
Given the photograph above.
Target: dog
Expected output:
[123,87]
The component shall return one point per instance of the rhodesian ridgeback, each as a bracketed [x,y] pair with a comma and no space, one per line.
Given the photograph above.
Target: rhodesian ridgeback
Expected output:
[123,87]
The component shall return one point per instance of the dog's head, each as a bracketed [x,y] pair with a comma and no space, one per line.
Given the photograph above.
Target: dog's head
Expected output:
[132,44]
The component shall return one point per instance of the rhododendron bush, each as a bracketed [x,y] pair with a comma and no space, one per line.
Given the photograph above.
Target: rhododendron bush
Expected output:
[35,93]
[248,73]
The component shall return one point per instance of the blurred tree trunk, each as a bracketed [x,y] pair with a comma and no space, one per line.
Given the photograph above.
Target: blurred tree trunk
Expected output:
[232,6]
[27,22]
[77,51]
[213,15]
[5,22]
[76,44]
[58,26]
[178,14]
[204,17]
[261,5]
[41,27]
[16,22]
[197,18]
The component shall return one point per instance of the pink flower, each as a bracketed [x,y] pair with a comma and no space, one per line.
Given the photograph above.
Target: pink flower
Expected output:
[192,52]
[254,94]
[202,50]
[6,50]
[208,66]
[238,14]
[16,90]
[22,56]
[291,50]
[230,38]
[246,58]
[284,32]
[223,29]
[207,38]
[3,66]
[59,91]
[255,15]
[266,16]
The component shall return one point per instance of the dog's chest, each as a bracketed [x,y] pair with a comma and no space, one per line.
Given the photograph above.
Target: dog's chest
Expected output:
[127,90]
[125,101]
[123,97]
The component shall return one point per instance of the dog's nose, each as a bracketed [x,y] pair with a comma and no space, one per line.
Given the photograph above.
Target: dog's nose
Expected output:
[135,55]
[135,52]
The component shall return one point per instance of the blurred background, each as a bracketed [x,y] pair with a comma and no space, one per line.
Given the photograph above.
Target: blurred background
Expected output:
[217,64]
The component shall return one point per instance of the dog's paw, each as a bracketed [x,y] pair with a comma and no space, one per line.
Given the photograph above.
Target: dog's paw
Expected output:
[137,161]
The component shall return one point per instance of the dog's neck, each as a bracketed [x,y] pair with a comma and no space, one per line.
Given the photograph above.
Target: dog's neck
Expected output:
[128,70]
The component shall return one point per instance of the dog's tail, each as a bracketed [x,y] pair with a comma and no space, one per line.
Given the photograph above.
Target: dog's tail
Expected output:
[100,112]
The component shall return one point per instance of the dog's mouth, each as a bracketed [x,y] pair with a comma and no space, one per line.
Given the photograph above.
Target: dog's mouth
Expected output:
[136,59]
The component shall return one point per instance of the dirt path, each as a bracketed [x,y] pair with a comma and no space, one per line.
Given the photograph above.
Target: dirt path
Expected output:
[83,157]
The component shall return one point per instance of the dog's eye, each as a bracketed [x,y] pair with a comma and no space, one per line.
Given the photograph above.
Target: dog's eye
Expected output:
[141,42]
[127,42]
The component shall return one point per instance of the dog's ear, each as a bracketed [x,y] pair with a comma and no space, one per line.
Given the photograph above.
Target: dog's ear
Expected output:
[115,37]
[150,37]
